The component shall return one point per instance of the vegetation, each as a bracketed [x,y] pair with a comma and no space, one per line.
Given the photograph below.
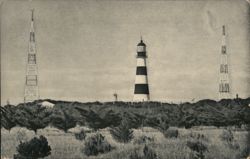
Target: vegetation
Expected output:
[63,120]
[125,120]
[143,140]
[122,133]
[148,153]
[198,149]
[246,151]
[33,117]
[65,145]
[96,145]
[96,115]
[227,136]
[33,149]
[135,155]
[7,118]
[171,133]
[81,135]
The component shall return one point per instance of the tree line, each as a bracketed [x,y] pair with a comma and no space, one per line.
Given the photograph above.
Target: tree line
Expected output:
[96,115]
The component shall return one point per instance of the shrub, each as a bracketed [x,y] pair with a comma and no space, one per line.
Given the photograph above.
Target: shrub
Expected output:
[81,135]
[198,136]
[33,149]
[198,148]
[149,153]
[244,153]
[135,155]
[143,139]
[163,125]
[171,133]
[122,133]
[234,145]
[32,117]
[63,121]
[7,122]
[96,144]
[227,136]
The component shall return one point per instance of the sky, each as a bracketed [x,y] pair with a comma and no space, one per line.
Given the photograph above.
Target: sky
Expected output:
[86,50]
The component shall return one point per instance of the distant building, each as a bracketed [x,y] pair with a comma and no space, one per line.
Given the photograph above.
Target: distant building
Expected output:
[46,104]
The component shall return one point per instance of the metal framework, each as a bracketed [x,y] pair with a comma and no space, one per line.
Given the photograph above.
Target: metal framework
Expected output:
[31,92]
[224,83]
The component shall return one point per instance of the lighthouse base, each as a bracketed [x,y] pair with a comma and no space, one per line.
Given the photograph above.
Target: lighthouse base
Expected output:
[141,98]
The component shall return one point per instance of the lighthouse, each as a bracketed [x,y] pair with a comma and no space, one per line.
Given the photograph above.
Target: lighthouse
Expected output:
[141,91]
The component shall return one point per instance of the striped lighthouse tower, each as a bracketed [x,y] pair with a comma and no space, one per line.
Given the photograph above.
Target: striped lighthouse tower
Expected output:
[141,91]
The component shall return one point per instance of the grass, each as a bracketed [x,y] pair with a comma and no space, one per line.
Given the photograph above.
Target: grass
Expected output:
[65,146]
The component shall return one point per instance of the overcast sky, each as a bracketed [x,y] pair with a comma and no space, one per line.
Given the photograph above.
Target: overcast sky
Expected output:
[86,49]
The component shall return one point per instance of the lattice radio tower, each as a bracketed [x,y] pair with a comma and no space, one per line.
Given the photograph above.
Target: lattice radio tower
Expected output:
[31,92]
[224,84]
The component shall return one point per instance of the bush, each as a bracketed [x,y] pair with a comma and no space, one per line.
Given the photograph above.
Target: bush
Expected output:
[81,135]
[244,153]
[234,145]
[143,139]
[63,120]
[96,144]
[32,117]
[227,136]
[7,122]
[171,133]
[198,136]
[198,148]
[33,149]
[163,124]
[135,155]
[122,133]
[149,153]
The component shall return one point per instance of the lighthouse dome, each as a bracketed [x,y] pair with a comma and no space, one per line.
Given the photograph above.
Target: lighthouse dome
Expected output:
[141,43]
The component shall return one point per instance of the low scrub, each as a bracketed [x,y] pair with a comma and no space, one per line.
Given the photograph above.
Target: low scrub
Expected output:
[122,133]
[33,149]
[227,136]
[80,135]
[109,114]
[198,149]
[171,133]
[96,144]
[135,155]
[148,153]
[143,140]
[198,136]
